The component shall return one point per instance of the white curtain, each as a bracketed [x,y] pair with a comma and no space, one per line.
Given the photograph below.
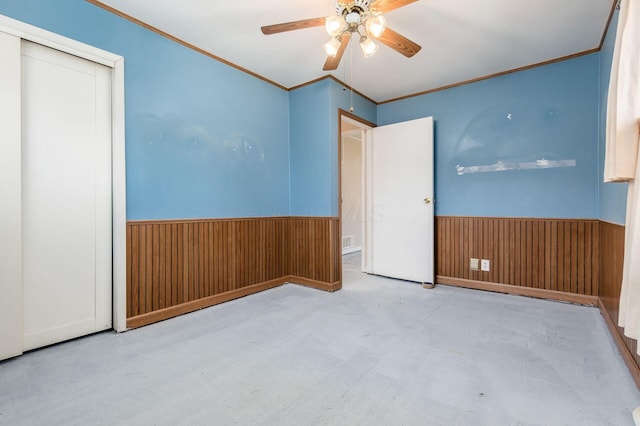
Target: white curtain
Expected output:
[623,138]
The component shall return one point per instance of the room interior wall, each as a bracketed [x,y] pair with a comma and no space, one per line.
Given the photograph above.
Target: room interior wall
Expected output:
[547,258]
[203,139]
[310,140]
[536,227]
[178,266]
[314,144]
[543,113]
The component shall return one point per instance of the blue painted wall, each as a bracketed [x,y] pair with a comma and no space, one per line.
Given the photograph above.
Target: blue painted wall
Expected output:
[310,139]
[546,112]
[206,140]
[202,139]
[613,196]
[314,145]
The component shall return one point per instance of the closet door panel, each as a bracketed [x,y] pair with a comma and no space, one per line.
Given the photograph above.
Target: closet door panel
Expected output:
[66,193]
[10,199]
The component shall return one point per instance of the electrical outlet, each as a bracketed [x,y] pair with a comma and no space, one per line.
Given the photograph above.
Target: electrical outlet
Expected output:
[485,265]
[474,264]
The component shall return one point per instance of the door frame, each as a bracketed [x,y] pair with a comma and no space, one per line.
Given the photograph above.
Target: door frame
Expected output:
[118,176]
[363,124]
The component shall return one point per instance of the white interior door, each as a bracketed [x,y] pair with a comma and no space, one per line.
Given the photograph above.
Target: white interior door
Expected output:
[66,196]
[400,206]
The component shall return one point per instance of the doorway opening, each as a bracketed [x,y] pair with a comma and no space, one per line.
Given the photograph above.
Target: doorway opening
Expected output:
[394,213]
[352,184]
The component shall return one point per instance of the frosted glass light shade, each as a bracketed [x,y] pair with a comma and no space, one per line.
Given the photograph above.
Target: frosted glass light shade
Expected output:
[334,25]
[331,47]
[376,25]
[368,47]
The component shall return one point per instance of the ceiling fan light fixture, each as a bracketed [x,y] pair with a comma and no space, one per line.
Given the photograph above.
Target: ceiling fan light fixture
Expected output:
[361,18]
[353,18]
[368,46]
[345,3]
[334,25]
[375,25]
[331,47]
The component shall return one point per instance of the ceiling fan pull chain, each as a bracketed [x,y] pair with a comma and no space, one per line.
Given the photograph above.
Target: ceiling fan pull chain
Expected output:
[351,78]
[344,78]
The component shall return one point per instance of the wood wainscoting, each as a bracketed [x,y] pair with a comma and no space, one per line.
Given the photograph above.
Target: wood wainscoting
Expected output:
[611,260]
[314,252]
[178,266]
[573,260]
[549,258]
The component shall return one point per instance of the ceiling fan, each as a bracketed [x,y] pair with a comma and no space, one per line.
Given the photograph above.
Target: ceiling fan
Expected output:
[363,18]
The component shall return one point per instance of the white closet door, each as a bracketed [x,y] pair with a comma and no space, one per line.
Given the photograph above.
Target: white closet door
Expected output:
[66,196]
[10,199]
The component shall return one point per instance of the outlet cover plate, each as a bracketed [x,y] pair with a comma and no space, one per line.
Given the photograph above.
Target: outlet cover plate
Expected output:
[474,264]
[485,265]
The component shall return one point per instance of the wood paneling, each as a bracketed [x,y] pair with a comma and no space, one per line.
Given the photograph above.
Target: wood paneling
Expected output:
[170,263]
[611,261]
[175,267]
[315,251]
[612,256]
[559,255]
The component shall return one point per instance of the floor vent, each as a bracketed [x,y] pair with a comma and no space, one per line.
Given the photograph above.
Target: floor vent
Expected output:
[348,241]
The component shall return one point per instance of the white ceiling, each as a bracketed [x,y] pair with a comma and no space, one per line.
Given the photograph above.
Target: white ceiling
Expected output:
[461,39]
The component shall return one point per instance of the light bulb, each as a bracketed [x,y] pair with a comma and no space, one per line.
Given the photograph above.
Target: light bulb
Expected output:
[368,46]
[331,47]
[375,26]
[353,18]
[334,25]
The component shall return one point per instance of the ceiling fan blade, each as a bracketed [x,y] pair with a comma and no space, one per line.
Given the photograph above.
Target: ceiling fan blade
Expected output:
[384,6]
[399,43]
[295,25]
[333,62]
